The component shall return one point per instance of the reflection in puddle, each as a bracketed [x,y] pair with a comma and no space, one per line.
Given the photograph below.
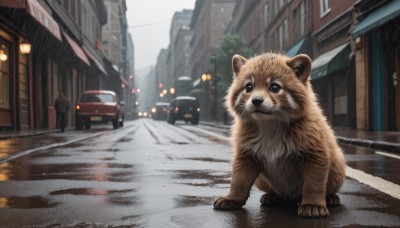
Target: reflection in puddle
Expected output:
[118,197]
[211,179]
[209,160]
[104,171]
[191,201]
[26,202]
[90,191]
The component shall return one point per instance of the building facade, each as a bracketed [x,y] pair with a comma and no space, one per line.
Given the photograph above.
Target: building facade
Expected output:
[180,21]
[333,71]
[209,22]
[57,61]
[115,37]
[66,55]
[376,37]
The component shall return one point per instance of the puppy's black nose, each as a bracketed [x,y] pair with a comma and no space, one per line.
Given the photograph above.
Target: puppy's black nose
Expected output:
[257,101]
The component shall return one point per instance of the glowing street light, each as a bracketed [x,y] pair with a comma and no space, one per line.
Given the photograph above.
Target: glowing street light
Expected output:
[172,91]
[206,77]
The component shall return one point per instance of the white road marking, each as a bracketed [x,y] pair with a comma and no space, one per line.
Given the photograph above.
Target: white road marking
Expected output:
[387,154]
[362,177]
[374,182]
[220,137]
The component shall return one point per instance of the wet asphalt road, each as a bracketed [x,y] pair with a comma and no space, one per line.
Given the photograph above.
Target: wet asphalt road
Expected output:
[151,174]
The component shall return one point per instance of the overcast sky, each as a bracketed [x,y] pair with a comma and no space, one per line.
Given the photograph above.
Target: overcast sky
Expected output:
[149,23]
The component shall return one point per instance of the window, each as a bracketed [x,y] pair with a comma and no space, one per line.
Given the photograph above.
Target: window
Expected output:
[299,17]
[324,6]
[283,34]
[266,15]
[5,78]
[278,4]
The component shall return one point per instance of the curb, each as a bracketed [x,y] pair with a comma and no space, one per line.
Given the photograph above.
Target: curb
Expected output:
[376,145]
[32,133]
[21,135]
[54,145]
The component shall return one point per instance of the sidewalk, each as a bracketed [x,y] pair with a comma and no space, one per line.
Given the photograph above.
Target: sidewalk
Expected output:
[383,140]
[387,141]
[24,133]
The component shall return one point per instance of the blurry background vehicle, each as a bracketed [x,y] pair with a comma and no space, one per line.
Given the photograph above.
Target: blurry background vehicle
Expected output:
[99,106]
[184,108]
[160,111]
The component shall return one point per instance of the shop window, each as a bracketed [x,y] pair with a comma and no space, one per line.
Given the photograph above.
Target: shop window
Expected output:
[4,76]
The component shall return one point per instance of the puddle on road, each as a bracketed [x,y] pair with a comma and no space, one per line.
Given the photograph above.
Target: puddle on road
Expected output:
[208,160]
[125,139]
[90,191]
[115,172]
[192,201]
[116,197]
[179,143]
[29,202]
[192,177]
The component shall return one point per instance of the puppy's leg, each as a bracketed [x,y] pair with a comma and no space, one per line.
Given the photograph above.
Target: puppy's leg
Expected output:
[315,175]
[244,172]
[270,198]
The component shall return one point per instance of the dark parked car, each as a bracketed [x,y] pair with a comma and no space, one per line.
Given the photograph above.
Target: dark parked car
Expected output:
[99,106]
[160,111]
[184,108]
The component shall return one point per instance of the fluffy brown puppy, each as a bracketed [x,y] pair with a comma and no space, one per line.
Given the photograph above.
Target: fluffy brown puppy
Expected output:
[281,139]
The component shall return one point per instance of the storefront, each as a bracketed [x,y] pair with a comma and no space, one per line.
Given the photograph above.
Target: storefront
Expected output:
[377,45]
[332,77]
[29,82]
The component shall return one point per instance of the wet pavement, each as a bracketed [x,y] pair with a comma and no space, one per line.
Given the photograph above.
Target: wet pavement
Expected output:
[152,174]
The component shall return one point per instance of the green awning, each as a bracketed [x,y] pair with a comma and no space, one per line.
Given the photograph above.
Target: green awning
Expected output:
[294,50]
[378,17]
[331,61]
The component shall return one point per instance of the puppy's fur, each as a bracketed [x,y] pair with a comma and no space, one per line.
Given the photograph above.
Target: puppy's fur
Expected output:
[281,139]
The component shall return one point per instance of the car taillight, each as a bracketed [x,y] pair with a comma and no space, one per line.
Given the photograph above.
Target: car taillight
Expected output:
[177,109]
[78,107]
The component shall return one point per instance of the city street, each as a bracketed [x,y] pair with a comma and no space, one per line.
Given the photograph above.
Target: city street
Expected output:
[153,174]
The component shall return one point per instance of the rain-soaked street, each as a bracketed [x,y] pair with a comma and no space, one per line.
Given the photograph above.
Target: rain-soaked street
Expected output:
[152,174]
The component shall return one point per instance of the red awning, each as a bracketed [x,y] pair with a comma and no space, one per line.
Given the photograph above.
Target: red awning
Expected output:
[37,11]
[95,60]
[19,4]
[40,14]
[77,49]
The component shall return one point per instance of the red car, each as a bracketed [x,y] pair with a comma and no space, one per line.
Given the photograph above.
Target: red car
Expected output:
[99,106]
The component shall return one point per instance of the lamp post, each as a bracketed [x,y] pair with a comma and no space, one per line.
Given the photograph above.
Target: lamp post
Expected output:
[215,104]
[206,77]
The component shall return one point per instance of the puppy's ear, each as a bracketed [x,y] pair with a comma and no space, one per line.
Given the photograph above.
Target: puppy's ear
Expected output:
[301,66]
[237,62]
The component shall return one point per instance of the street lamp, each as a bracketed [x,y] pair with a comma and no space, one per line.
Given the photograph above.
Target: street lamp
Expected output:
[25,47]
[3,53]
[172,91]
[206,77]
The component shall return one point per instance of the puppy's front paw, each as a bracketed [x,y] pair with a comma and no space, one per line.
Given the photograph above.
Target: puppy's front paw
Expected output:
[270,199]
[332,200]
[312,211]
[223,203]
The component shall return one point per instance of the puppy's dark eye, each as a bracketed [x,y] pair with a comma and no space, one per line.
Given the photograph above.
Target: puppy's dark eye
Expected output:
[249,87]
[275,88]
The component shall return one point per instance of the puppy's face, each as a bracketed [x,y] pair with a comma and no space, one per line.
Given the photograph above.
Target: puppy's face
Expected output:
[269,86]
